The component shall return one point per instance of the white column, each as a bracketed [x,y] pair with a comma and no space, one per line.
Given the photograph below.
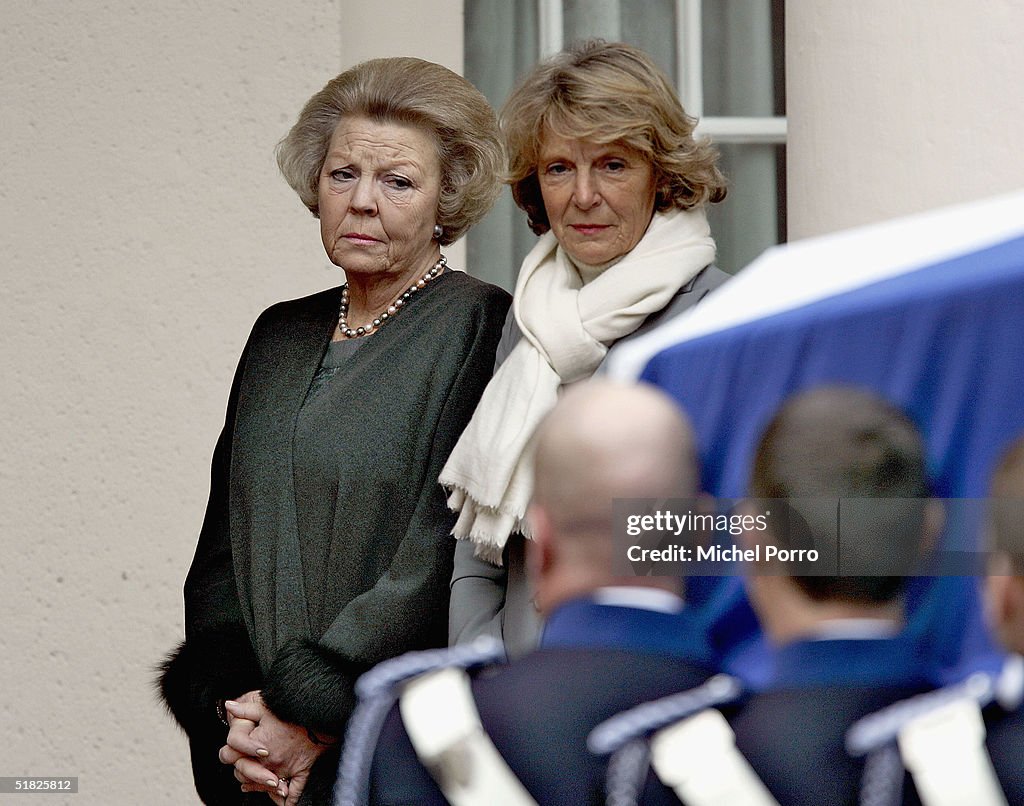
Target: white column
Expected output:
[428,30]
[900,107]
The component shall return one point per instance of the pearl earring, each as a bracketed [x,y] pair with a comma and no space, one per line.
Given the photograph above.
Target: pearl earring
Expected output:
[438,231]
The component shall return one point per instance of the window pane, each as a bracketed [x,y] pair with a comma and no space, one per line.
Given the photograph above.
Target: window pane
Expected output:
[742,58]
[501,45]
[648,24]
[747,222]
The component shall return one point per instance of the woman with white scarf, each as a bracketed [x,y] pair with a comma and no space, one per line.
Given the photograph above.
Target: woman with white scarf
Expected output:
[603,160]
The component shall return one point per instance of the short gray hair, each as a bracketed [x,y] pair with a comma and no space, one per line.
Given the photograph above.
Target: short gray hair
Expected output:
[412,92]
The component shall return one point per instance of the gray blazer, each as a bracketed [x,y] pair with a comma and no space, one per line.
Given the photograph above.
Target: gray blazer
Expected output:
[487,600]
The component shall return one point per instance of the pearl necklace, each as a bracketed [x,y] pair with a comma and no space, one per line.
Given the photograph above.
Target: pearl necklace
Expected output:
[393,308]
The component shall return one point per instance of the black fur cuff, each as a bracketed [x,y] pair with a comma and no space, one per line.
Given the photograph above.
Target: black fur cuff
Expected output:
[211,667]
[312,686]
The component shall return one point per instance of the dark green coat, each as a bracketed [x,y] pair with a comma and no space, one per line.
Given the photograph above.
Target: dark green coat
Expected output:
[412,389]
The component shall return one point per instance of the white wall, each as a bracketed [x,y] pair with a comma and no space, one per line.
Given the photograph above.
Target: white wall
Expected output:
[896,107]
[427,29]
[144,228]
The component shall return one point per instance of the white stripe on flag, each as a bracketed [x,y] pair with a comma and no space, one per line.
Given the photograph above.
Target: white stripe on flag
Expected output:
[792,275]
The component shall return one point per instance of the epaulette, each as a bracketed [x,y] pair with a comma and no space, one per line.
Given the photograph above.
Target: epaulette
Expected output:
[682,725]
[443,723]
[643,720]
[881,728]
[939,737]
[1010,683]
[378,690]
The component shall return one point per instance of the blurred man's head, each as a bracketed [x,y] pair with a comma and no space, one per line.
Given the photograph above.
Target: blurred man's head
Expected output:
[1006,535]
[602,441]
[843,443]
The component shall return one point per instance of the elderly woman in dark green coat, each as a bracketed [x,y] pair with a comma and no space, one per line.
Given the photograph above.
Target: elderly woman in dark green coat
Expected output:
[326,547]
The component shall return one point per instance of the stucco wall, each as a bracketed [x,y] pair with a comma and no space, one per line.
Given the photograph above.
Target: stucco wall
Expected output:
[900,107]
[144,228]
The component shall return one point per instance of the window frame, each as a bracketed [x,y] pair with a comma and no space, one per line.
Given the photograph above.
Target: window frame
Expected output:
[690,77]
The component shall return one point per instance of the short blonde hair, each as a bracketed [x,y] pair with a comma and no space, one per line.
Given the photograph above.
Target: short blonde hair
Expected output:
[412,92]
[607,92]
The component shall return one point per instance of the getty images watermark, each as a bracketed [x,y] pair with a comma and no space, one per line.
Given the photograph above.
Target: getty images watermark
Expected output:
[800,537]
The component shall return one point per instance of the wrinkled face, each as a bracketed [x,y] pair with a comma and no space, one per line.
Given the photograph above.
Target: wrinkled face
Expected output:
[599,198]
[379,189]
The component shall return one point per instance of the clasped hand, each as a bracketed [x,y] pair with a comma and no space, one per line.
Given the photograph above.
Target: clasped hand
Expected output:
[268,755]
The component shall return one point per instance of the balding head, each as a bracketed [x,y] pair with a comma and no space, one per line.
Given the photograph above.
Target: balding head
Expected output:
[603,441]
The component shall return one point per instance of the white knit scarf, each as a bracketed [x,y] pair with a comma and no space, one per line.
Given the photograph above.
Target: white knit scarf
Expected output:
[567,328]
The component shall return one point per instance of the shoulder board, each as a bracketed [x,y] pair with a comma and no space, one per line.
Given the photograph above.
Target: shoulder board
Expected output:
[378,690]
[882,727]
[698,759]
[944,749]
[644,719]
[387,676]
[1010,684]
[443,724]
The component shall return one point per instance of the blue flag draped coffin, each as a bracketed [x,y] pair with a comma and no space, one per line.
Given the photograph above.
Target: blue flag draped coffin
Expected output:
[927,311]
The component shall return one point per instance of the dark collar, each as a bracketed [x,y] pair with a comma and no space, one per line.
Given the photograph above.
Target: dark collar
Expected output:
[890,662]
[586,624]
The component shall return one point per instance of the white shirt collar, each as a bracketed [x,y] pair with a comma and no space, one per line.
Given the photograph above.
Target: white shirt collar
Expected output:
[660,601]
[857,629]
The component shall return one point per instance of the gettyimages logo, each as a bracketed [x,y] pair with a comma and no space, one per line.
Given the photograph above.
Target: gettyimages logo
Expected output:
[793,537]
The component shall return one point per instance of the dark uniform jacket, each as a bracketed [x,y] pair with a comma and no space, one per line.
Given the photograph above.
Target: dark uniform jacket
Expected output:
[594,661]
[1004,725]
[793,732]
